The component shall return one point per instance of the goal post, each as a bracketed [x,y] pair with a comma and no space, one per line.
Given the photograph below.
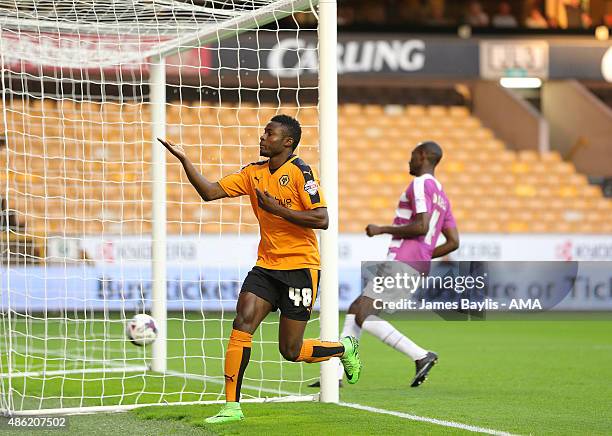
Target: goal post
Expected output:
[157,86]
[328,148]
[85,95]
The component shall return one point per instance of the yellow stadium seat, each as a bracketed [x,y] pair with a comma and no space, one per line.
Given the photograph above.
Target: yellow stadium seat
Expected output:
[352,227]
[525,190]
[496,169]
[437,111]
[528,155]
[562,227]
[351,109]
[483,133]
[516,226]
[469,226]
[567,191]
[373,110]
[500,191]
[520,167]
[380,203]
[591,191]
[458,111]
[447,124]
[550,156]
[506,156]
[595,217]
[579,180]
[416,111]
[453,167]
[566,168]
[471,123]
[546,227]
[490,226]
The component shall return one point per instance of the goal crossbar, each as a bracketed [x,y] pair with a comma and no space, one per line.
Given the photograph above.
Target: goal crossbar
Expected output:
[219,32]
[206,25]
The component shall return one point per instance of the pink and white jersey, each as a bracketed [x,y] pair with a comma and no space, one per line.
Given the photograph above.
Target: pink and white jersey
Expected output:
[424,194]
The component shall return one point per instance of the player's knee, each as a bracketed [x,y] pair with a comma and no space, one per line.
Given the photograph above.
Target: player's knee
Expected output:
[244,323]
[362,312]
[360,318]
[290,351]
[355,309]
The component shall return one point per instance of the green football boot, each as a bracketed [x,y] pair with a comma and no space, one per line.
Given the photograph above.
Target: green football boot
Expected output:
[350,359]
[230,412]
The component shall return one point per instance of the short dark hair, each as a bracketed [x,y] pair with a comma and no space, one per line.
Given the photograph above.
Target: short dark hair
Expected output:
[292,127]
[432,150]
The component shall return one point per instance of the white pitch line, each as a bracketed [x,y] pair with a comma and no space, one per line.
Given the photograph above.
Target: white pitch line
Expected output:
[435,421]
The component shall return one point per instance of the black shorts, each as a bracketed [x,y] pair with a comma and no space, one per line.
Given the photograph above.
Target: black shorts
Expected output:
[292,291]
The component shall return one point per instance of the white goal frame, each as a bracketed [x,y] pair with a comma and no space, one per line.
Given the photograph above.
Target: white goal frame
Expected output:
[328,148]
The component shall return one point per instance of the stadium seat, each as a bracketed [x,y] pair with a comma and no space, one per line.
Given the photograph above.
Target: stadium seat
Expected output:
[458,112]
[100,165]
[437,111]
[416,111]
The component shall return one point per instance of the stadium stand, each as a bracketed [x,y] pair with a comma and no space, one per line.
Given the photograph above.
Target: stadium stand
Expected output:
[84,169]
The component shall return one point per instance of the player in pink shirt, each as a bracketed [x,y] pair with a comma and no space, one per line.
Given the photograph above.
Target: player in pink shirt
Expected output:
[423,213]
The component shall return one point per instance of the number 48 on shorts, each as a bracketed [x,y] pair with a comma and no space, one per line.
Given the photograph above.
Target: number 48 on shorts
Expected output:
[301,297]
[294,292]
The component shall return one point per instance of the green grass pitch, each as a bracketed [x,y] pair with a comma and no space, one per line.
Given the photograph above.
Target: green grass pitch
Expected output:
[522,377]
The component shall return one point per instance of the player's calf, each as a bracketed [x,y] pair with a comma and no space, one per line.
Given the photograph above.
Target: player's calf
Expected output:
[290,351]
[314,350]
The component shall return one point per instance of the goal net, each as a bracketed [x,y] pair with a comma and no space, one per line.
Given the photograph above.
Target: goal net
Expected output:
[77,183]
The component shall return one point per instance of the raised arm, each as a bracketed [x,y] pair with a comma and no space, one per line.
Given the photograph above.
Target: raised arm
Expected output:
[209,191]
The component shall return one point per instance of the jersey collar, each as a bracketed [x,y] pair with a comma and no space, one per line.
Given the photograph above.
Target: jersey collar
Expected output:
[290,158]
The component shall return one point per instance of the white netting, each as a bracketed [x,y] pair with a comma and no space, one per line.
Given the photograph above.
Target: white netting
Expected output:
[76,178]
[99,33]
[158,17]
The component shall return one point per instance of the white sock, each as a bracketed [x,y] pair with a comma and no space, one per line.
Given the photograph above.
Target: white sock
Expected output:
[384,331]
[350,329]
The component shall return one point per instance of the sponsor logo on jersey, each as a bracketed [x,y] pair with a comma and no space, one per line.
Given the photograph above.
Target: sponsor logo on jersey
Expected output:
[311,187]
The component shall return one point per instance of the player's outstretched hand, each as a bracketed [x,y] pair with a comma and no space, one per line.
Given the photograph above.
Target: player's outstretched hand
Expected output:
[265,201]
[372,230]
[177,150]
